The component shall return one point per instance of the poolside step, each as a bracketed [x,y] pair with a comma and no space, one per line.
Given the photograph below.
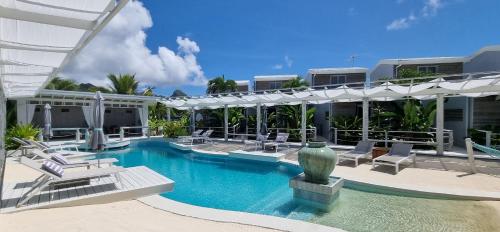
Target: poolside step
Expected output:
[257,155]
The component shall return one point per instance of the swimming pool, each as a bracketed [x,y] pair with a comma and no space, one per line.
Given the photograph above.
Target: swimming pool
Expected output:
[257,187]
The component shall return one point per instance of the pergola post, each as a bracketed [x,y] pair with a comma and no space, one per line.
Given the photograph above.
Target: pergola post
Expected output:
[3,154]
[440,124]
[193,119]
[303,131]
[259,119]
[226,117]
[168,114]
[366,119]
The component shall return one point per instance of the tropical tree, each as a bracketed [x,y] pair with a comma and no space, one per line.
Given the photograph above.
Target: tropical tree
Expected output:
[148,91]
[123,84]
[418,117]
[62,84]
[99,88]
[220,85]
[295,83]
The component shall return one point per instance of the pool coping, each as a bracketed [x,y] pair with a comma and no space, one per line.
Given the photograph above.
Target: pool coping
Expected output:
[228,216]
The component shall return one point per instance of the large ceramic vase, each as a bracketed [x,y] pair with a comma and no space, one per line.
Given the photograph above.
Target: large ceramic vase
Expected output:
[318,161]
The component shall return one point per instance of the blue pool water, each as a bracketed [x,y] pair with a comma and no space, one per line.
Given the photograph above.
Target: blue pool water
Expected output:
[257,187]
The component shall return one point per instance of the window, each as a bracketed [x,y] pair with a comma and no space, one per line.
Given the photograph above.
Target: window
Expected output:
[275,85]
[327,115]
[428,69]
[337,79]
[64,110]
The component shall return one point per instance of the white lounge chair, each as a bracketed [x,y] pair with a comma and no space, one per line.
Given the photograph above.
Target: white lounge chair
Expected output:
[48,148]
[400,152]
[48,179]
[281,139]
[24,146]
[67,162]
[261,139]
[184,139]
[363,150]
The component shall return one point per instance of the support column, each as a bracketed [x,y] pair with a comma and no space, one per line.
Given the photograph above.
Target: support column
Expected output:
[258,119]
[440,124]
[366,119]
[193,120]
[303,123]
[226,121]
[168,114]
[3,155]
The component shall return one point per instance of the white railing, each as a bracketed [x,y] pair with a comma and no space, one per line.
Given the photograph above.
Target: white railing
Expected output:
[145,131]
[77,131]
[311,133]
[386,137]
[488,135]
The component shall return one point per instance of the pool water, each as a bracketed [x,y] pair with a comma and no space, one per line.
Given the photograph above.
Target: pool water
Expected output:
[257,187]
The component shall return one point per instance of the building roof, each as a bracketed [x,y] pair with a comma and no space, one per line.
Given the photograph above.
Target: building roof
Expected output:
[337,70]
[39,37]
[275,77]
[242,82]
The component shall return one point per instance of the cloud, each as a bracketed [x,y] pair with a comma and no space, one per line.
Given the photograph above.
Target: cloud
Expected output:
[277,66]
[287,61]
[121,48]
[429,9]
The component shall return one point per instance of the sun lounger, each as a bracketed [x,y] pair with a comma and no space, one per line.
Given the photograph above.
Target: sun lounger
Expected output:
[204,137]
[261,139]
[400,152]
[363,150]
[48,148]
[68,163]
[281,139]
[49,179]
[189,138]
[24,145]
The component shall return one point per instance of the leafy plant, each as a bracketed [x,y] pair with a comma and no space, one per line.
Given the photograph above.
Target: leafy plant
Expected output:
[27,131]
[220,85]
[62,84]
[418,117]
[173,129]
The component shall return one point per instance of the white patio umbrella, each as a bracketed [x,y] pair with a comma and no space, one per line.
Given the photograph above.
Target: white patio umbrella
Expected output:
[97,139]
[47,126]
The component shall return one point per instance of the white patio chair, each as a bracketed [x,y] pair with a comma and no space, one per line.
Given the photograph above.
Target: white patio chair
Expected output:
[363,150]
[400,152]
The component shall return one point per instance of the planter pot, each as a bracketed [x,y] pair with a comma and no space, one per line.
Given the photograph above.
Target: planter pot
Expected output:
[318,161]
[378,151]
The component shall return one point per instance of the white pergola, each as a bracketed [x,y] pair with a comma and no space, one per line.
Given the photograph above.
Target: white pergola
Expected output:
[37,38]
[437,87]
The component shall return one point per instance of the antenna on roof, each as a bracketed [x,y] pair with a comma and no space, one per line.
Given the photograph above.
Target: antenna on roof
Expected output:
[352,59]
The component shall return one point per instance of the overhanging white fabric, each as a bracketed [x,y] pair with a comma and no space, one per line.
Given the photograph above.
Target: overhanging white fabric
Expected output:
[386,91]
[38,37]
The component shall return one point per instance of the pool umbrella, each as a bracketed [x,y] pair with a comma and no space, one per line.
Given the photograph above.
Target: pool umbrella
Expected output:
[263,127]
[47,127]
[97,140]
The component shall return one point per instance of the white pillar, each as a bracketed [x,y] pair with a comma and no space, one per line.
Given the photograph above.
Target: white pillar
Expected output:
[303,123]
[226,121]
[193,119]
[3,155]
[168,114]
[366,119]
[258,119]
[440,123]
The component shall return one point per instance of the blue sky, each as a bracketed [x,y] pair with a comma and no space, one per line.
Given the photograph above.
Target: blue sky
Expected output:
[241,39]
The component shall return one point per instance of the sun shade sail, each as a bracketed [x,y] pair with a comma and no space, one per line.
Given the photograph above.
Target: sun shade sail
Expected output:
[38,37]
[382,91]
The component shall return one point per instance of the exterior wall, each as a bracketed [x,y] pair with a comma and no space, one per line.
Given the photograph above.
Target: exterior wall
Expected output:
[114,118]
[486,61]
[73,118]
[443,68]
[324,79]
[382,71]
[456,117]
[321,119]
[242,88]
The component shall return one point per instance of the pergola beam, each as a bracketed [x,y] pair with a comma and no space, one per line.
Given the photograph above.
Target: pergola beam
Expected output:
[28,16]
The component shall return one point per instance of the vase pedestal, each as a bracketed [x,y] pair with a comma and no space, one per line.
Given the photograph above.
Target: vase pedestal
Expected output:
[317,195]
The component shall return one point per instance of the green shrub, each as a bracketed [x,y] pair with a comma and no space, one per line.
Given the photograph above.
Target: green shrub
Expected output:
[173,129]
[27,131]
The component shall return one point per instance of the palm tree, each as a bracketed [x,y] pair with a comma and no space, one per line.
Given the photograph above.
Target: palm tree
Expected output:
[298,82]
[148,91]
[123,84]
[220,85]
[99,88]
[62,84]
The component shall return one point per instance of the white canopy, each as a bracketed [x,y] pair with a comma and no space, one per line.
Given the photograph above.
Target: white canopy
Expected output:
[382,91]
[38,37]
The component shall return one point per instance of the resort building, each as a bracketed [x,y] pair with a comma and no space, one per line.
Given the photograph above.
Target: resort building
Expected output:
[242,86]
[269,82]
[461,113]
[322,78]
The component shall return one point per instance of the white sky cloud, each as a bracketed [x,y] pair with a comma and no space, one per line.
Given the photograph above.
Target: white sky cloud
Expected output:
[287,61]
[429,9]
[277,66]
[121,48]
